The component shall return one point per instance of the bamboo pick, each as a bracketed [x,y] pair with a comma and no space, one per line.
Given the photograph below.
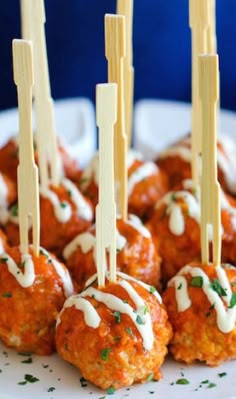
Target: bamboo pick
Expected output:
[106,113]
[115,53]
[27,172]
[211,31]
[210,188]
[33,16]
[125,7]
[199,22]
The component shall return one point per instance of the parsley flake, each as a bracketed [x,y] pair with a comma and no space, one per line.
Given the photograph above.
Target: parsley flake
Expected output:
[180,286]
[150,377]
[221,375]
[51,389]
[215,285]
[63,205]
[4,260]
[117,316]
[7,295]
[211,385]
[182,381]
[105,353]
[14,210]
[129,331]
[30,378]
[197,281]
[232,300]
[139,320]
[111,391]
[152,289]
[27,361]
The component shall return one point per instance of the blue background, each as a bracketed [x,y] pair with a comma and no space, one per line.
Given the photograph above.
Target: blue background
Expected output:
[75,40]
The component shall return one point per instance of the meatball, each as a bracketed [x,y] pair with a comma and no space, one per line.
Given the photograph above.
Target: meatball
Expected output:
[119,333]
[146,184]
[9,160]
[174,226]
[136,254]
[201,305]
[32,292]
[175,161]
[64,213]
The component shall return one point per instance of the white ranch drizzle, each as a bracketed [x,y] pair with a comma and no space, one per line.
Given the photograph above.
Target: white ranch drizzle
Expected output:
[176,220]
[226,317]
[177,151]
[86,241]
[83,209]
[62,209]
[1,247]
[92,170]
[92,318]
[142,172]
[3,192]
[27,278]
[116,304]
[137,224]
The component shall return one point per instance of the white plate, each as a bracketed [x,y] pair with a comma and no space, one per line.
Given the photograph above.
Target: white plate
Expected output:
[75,125]
[172,120]
[160,123]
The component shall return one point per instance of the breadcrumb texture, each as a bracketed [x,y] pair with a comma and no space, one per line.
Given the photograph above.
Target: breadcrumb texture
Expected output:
[127,361]
[196,334]
[28,315]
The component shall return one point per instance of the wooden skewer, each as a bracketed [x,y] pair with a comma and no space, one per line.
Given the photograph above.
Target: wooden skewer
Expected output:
[33,16]
[199,22]
[125,7]
[210,189]
[27,172]
[115,53]
[106,112]
[211,31]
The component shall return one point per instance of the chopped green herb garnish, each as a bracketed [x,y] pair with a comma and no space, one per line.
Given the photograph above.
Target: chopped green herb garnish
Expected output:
[27,361]
[124,301]
[215,285]
[22,264]
[205,382]
[105,353]
[152,289]
[111,391]
[173,197]
[222,374]
[117,316]
[51,389]
[117,250]
[7,295]
[69,193]
[150,377]
[83,180]
[145,310]
[63,205]
[22,383]
[117,339]
[42,252]
[139,320]
[180,286]
[211,385]
[232,300]
[208,314]
[196,281]
[14,210]
[129,331]
[24,354]
[30,378]
[83,382]
[4,260]
[182,381]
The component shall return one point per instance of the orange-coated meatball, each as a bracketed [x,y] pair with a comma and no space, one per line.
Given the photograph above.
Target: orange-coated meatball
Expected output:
[3,242]
[146,184]
[9,160]
[136,254]
[174,226]
[64,213]
[175,161]
[32,292]
[7,196]
[201,305]
[118,336]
